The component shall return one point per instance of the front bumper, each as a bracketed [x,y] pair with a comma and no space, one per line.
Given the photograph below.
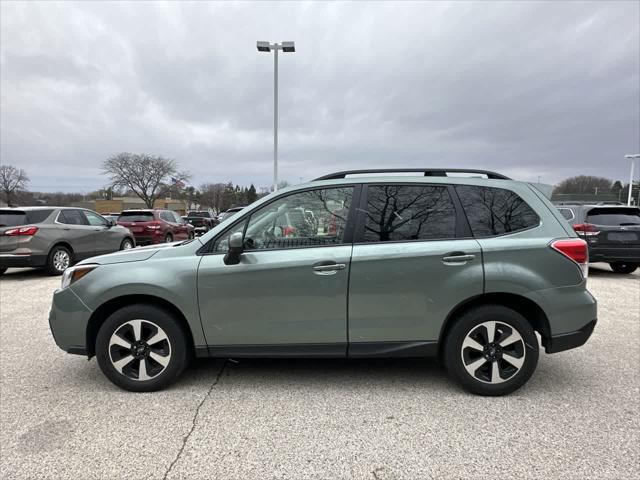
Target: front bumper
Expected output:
[567,341]
[12,260]
[68,320]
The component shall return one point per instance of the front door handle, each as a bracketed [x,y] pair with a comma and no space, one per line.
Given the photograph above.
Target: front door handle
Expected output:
[457,258]
[328,268]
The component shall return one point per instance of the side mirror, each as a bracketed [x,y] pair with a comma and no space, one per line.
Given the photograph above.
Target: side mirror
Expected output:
[110,223]
[236,247]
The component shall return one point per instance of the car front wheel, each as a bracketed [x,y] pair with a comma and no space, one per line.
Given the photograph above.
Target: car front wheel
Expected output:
[491,350]
[141,348]
[168,238]
[620,267]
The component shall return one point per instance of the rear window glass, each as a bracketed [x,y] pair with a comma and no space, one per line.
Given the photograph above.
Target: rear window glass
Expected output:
[136,217]
[11,218]
[198,214]
[495,211]
[614,216]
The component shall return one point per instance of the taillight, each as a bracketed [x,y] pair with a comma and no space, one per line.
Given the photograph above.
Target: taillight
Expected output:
[575,249]
[585,229]
[154,226]
[26,231]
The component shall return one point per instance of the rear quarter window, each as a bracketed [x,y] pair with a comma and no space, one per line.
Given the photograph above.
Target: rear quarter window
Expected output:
[567,213]
[495,211]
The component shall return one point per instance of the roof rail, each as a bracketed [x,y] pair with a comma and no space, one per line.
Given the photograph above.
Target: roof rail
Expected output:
[427,172]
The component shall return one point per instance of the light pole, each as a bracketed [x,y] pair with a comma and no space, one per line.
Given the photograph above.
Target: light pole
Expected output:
[286,47]
[632,158]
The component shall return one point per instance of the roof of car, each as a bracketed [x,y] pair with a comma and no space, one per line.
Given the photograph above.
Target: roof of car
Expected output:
[41,207]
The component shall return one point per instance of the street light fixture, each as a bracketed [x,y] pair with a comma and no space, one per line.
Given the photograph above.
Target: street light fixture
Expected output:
[286,47]
[632,158]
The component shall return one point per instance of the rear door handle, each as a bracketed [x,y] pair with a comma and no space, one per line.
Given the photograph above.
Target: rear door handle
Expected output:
[328,268]
[457,259]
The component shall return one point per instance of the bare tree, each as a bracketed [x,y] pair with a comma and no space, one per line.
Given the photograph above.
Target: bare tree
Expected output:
[12,181]
[145,175]
[583,184]
[211,195]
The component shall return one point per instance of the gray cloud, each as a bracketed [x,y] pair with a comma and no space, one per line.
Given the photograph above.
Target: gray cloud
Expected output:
[546,89]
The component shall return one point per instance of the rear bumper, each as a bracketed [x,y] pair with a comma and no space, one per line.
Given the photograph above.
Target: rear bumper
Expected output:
[147,239]
[10,260]
[567,341]
[614,254]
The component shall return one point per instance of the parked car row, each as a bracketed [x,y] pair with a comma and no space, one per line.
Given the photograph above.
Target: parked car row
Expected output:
[612,233]
[57,237]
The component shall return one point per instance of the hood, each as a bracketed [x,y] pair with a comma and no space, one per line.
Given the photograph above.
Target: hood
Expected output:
[137,254]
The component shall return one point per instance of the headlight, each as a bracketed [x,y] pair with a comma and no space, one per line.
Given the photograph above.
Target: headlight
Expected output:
[73,274]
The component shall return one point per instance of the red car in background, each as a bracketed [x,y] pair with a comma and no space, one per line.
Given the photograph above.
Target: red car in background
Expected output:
[150,227]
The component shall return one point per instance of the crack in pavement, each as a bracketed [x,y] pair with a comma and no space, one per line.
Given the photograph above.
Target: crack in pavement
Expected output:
[194,421]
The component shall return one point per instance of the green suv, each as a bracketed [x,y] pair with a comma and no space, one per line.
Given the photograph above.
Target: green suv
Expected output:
[463,265]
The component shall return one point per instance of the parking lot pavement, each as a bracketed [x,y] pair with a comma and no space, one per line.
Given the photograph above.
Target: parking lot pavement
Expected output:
[578,417]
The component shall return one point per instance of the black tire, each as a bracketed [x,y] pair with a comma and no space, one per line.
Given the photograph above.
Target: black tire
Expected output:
[473,323]
[125,242]
[620,267]
[176,347]
[168,238]
[191,235]
[2,270]
[55,263]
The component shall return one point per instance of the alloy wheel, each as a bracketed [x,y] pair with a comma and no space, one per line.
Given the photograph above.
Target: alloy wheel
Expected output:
[61,260]
[127,245]
[139,350]
[493,352]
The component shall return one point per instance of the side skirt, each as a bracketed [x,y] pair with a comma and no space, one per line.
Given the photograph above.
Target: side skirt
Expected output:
[323,350]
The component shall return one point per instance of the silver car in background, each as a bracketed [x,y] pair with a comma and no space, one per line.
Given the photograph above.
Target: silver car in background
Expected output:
[56,237]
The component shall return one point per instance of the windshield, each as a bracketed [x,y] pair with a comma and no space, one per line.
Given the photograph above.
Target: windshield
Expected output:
[13,218]
[136,217]
[614,216]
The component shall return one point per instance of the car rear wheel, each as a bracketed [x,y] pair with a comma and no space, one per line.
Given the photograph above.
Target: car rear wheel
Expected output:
[141,348]
[59,260]
[168,238]
[620,267]
[491,350]
[127,244]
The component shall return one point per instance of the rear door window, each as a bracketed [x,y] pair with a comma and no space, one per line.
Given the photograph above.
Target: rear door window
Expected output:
[495,211]
[72,217]
[136,217]
[409,212]
[167,217]
[614,216]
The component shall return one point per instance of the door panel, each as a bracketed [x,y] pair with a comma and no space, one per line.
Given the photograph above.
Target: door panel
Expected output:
[74,229]
[403,291]
[275,297]
[104,239]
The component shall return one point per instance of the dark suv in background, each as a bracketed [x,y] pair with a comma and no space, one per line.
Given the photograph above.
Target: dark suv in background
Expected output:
[155,226]
[56,237]
[202,220]
[612,233]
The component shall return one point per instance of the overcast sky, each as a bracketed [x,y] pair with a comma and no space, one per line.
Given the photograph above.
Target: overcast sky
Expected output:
[549,89]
